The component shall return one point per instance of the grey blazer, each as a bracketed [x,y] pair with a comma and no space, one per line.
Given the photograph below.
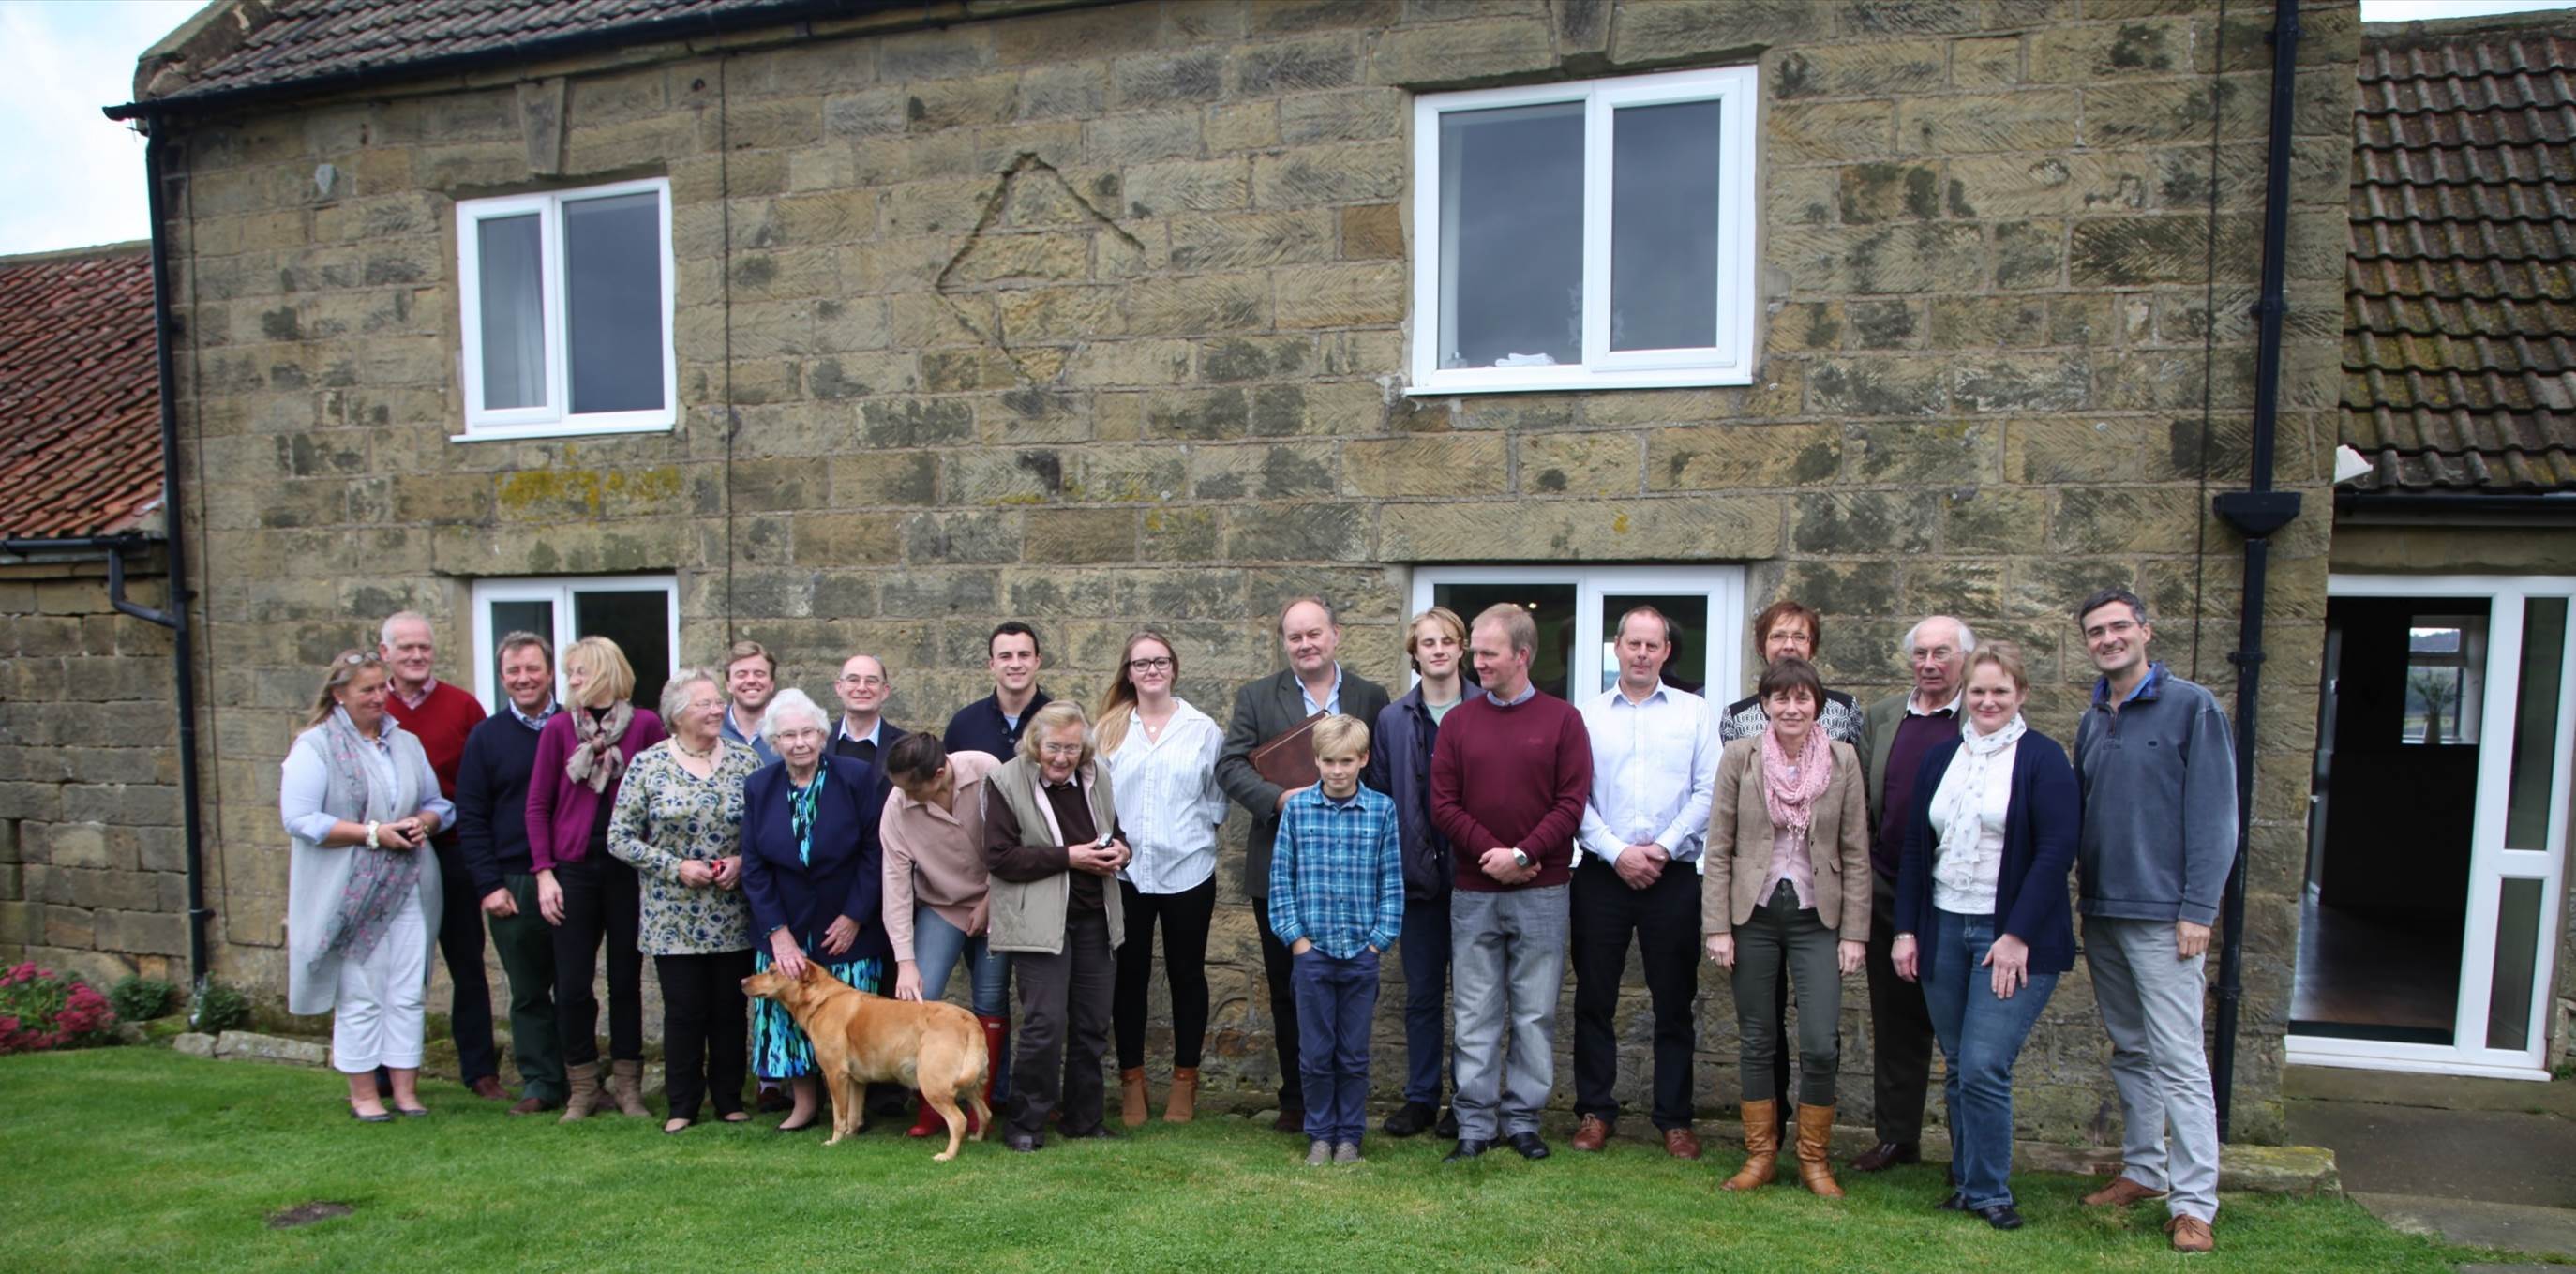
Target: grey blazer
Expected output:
[1264,710]
[1878,735]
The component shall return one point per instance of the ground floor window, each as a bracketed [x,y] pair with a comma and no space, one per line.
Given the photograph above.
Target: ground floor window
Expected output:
[641,613]
[1577,609]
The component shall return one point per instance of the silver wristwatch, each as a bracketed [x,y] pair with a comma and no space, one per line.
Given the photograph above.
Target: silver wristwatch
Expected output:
[1518,858]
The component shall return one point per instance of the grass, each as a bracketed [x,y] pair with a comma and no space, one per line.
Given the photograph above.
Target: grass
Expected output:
[139,1158]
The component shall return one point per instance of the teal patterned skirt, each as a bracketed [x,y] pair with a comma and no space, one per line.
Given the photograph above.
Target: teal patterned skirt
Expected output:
[778,1049]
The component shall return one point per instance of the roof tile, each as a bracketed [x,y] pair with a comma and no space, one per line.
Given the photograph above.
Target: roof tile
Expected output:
[80,403]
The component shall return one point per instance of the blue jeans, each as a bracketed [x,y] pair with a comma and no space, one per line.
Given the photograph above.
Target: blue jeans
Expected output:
[1335,1001]
[1981,1037]
[1424,948]
[936,946]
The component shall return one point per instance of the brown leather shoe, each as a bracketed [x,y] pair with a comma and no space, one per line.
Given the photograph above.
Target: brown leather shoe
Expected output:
[1681,1143]
[1291,1119]
[1592,1133]
[2191,1235]
[2121,1193]
[489,1089]
[533,1106]
[1886,1155]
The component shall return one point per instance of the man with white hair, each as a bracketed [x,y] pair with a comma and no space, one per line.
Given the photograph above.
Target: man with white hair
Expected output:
[1901,728]
[440,716]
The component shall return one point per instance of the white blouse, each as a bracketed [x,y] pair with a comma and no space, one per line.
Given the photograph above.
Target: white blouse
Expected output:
[1169,803]
[1964,883]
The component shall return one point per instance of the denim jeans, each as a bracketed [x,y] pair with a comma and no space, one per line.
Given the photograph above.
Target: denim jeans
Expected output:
[936,946]
[1980,1038]
[1335,1001]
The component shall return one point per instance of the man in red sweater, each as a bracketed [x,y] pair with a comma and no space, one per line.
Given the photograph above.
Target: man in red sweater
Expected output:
[1509,777]
[440,716]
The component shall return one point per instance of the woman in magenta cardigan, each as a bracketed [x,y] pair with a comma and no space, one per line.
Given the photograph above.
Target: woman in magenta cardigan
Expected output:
[582,891]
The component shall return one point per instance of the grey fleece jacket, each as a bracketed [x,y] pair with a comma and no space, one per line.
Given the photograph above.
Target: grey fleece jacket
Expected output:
[2159,781]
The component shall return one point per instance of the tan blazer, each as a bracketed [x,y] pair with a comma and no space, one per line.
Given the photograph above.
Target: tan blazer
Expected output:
[1739,844]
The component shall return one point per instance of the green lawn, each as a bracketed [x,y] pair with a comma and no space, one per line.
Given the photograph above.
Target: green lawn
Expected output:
[126,1159]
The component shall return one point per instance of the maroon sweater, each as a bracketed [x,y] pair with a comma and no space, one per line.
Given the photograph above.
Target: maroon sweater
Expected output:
[1511,777]
[441,723]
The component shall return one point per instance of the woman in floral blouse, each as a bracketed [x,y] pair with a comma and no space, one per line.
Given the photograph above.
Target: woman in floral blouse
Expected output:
[678,822]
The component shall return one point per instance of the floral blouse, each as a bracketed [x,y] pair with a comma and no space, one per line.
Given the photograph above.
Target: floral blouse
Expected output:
[665,816]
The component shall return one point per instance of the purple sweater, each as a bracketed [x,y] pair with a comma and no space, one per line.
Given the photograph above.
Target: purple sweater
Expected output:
[559,810]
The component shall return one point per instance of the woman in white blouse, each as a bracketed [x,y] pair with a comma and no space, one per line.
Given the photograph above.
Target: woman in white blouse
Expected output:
[1161,756]
[1981,912]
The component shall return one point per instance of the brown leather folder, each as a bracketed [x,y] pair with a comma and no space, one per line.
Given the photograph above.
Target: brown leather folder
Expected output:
[1289,760]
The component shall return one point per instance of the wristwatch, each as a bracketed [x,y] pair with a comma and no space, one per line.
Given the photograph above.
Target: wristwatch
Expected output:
[1519,859]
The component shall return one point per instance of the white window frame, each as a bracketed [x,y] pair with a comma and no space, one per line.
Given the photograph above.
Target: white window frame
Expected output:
[1727,362]
[558,590]
[1723,586]
[555,419]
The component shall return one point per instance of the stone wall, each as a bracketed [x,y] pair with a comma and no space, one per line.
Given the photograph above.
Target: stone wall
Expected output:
[1096,318]
[92,864]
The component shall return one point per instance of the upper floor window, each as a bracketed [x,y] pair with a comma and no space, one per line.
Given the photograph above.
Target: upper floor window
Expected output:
[1592,235]
[566,298]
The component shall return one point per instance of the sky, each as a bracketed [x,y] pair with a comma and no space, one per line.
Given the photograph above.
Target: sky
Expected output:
[75,178]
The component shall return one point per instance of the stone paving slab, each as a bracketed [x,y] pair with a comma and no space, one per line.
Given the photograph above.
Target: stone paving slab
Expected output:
[2508,1227]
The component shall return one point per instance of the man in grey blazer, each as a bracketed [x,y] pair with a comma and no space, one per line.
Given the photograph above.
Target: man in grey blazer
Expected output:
[1264,709]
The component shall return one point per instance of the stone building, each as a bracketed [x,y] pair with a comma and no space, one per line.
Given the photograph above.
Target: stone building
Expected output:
[861,326]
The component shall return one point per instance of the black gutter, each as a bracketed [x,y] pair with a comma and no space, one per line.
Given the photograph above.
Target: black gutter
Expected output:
[115,547]
[2397,505]
[2256,512]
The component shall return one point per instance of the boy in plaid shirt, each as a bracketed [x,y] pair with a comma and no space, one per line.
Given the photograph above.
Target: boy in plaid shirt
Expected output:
[1337,900]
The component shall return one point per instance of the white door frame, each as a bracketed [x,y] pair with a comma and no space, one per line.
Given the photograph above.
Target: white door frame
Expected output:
[2491,862]
[1721,584]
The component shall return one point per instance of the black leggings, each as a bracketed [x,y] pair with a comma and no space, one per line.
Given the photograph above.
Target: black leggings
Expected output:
[703,1012]
[600,898]
[1185,916]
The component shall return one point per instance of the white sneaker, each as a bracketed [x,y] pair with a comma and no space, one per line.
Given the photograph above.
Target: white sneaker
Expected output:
[1347,1152]
[1319,1153]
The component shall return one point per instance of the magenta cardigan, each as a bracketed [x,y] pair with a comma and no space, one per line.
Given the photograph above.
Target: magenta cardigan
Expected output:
[559,810]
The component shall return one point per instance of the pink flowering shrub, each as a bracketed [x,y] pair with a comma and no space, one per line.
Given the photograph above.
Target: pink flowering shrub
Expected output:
[41,1009]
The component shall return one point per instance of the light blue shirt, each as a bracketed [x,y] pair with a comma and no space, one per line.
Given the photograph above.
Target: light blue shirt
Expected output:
[537,722]
[758,745]
[1528,688]
[1654,772]
[875,732]
[1332,703]
[305,778]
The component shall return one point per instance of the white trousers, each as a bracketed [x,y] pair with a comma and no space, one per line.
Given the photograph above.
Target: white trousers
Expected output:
[379,1010]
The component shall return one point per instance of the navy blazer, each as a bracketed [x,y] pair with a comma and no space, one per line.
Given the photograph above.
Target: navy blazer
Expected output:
[843,878]
[2041,827]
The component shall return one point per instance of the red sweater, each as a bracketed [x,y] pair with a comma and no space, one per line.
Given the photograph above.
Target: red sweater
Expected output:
[1511,777]
[441,723]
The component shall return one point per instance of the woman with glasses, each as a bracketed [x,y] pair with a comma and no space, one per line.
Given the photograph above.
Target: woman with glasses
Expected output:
[1161,756]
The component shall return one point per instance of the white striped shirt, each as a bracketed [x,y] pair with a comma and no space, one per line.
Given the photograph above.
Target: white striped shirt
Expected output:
[1169,803]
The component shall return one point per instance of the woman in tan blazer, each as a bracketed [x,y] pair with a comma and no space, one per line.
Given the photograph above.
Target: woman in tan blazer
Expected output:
[1785,890]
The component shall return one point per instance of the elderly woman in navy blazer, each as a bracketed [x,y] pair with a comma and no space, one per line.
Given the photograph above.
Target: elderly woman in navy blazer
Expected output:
[1981,912]
[810,869]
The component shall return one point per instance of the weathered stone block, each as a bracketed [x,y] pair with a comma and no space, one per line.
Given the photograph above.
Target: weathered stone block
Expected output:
[2172,112]
[1358,172]
[1267,471]
[1308,532]
[252,1046]
[2126,520]
[1986,62]
[1129,363]
[1746,526]
[961,538]
[1157,79]
[1863,523]
[1425,465]
[1683,29]
[1889,192]
[1884,325]
[1737,457]
[1879,387]
[1460,53]
[1195,186]
[1081,535]
[1583,464]
[1126,139]
[2022,382]
[1199,304]
[1857,70]
[1971,122]
[1229,241]
[1906,258]
[1813,132]
[1949,452]
[917,422]
[2127,251]
[1298,66]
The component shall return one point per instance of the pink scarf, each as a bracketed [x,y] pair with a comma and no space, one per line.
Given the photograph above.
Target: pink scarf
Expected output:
[1791,800]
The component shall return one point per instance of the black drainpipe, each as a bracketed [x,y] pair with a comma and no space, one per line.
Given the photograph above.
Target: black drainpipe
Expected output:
[2256,513]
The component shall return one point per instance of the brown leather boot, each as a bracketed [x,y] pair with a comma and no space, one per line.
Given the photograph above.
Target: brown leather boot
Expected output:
[584,1081]
[1815,1150]
[1183,1101]
[626,1087]
[1761,1147]
[1131,1096]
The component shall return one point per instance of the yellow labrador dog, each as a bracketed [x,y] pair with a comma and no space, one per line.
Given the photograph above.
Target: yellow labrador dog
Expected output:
[861,1039]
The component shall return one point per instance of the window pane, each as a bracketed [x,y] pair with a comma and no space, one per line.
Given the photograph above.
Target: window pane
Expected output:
[1663,226]
[518,617]
[2517,952]
[1686,665]
[1511,236]
[2445,679]
[2535,727]
[1551,606]
[510,271]
[613,280]
[639,621]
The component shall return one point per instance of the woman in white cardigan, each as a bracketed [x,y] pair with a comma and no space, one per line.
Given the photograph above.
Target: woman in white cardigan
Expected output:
[360,803]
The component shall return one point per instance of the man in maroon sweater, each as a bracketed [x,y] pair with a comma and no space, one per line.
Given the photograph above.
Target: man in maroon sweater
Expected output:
[1509,777]
[440,716]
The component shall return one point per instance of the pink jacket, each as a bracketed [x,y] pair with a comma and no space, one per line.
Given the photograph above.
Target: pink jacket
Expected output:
[559,810]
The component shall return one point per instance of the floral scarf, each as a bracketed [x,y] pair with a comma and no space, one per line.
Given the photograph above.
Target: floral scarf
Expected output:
[1790,794]
[363,789]
[595,761]
[1960,821]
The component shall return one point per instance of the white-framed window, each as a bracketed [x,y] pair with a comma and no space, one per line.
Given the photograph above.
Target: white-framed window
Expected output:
[1591,235]
[641,613]
[1577,609]
[566,297]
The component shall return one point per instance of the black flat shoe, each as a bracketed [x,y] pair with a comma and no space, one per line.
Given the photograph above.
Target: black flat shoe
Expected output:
[1468,1148]
[1096,1132]
[1957,1202]
[1528,1144]
[807,1126]
[411,1112]
[380,1117]
[1447,1128]
[1022,1143]
[2001,1216]
[1409,1120]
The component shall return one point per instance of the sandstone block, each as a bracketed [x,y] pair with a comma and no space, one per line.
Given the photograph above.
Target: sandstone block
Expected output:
[1425,465]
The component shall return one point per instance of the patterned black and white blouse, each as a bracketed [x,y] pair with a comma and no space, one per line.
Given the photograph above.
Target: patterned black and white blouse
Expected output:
[1744,718]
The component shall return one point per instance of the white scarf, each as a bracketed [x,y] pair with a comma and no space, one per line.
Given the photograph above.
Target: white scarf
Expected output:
[1977,752]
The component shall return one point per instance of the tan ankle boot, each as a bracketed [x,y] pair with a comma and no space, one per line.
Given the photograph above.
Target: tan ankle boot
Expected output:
[1815,1151]
[584,1082]
[1183,1103]
[626,1087]
[1761,1147]
[1131,1096]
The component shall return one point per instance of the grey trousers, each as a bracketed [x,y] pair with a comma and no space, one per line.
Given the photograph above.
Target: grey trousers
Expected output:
[2151,1005]
[1781,939]
[1507,967]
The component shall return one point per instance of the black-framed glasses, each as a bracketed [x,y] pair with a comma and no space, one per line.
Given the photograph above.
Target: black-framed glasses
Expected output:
[1157,664]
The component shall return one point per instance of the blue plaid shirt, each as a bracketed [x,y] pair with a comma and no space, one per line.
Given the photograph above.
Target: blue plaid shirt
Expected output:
[1337,874]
